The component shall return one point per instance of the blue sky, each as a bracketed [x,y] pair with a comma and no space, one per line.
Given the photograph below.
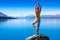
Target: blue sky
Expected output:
[26,7]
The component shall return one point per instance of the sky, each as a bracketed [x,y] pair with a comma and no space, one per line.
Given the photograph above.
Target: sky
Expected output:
[26,7]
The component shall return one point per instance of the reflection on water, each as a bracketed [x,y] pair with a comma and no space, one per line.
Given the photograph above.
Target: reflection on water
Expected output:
[19,29]
[3,20]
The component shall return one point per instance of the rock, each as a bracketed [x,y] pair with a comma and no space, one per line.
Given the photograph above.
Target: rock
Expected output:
[37,37]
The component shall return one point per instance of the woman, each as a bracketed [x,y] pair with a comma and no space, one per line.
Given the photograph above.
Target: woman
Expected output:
[37,16]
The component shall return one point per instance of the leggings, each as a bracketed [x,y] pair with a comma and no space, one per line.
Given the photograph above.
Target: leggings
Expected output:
[37,21]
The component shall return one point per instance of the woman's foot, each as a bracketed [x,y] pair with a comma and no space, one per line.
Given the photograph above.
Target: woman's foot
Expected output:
[33,24]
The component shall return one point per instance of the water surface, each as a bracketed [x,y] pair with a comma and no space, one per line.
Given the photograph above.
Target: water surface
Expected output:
[20,29]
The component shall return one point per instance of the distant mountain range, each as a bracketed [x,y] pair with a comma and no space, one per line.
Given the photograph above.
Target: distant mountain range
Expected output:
[50,16]
[3,16]
[27,17]
[42,16]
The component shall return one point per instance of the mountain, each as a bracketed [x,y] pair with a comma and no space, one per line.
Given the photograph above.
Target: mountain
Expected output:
[3,16]
[42,17]
[50,16]
[30,17]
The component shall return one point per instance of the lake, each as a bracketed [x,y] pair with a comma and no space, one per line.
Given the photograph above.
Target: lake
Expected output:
[20,29]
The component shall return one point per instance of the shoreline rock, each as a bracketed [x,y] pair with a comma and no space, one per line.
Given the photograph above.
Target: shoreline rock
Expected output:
[37,37]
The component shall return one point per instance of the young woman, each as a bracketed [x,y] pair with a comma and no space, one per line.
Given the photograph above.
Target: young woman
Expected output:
[37,16]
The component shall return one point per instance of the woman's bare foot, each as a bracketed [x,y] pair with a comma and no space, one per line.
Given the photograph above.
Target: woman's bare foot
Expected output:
[33,25]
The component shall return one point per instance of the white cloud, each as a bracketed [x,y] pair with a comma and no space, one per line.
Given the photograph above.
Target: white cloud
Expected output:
[28,11]
[50,11]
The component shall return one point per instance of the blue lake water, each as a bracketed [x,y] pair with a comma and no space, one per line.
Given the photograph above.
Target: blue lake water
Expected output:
[20,29]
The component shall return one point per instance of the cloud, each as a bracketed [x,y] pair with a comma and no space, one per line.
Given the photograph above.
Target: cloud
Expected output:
[50,11]
[28,11]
